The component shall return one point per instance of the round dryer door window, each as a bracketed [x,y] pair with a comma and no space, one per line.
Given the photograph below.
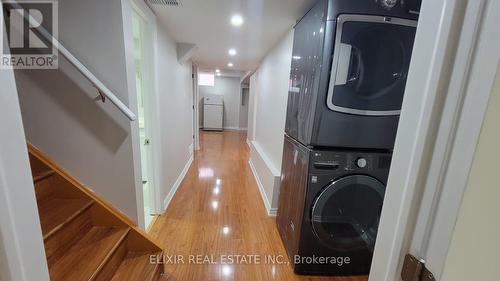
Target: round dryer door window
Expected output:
[370,64]
[346,214]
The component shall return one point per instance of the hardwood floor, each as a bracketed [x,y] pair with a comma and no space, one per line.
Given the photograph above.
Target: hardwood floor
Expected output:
[218,211]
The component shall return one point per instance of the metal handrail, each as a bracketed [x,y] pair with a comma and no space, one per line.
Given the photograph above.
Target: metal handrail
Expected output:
[103,90]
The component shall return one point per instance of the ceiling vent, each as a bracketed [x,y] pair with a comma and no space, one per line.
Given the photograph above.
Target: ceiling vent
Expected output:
[174,3]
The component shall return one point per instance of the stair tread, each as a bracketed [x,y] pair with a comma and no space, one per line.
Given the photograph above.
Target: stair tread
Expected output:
[54,212]
[83,259]
[135,267]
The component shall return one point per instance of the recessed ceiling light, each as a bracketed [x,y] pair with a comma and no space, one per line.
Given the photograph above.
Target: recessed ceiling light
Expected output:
[217,70]
[230,64]
[232,52]
[237,20]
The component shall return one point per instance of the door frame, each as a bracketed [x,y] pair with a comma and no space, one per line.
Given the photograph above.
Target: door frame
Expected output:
[152,104]
[22,252]
[196,108]
[443,110]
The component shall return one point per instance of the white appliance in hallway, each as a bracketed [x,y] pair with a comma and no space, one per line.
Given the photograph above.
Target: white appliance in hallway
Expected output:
[213,112]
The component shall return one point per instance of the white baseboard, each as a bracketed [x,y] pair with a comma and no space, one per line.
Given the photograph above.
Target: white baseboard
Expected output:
[270,211]
[235,129]
[177,183]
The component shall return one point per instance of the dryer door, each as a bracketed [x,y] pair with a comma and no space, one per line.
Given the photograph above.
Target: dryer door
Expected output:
[370,64]
[346,214]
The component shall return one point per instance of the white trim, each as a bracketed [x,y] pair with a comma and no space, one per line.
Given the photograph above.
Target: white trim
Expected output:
[246,75]
[127,14]
[22,253]
[433,124]
[474,73]
[196,106]
[231,128]
[152,104]
[131,7]
[446,135]
[177,183]
[270,211]
[414,139]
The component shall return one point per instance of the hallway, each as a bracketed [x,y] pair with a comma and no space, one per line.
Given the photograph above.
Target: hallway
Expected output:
[218,211]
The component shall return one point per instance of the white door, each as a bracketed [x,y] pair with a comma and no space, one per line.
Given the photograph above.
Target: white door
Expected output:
[143,52]
[457,50]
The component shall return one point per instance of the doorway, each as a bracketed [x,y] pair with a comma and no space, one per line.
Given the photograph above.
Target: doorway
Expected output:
[143,60]
[244,107]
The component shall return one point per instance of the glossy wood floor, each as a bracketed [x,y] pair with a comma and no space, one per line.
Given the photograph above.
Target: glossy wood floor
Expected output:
[218,211]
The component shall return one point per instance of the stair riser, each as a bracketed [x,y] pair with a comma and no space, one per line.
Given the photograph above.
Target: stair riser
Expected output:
[37,166]
[56,185]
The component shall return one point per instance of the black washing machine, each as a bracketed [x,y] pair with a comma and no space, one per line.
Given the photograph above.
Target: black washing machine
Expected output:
[349,69]
[330,206]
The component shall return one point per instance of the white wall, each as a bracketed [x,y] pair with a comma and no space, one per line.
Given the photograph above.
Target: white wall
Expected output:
[22,253]
[473,254]
[93,141]
[270,86]
[230,88]
[175,99]
[274,74]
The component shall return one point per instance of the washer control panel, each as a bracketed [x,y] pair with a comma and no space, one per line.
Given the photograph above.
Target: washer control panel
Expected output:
[330,161]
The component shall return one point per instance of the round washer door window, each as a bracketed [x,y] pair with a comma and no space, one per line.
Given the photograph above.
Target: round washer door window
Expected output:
[346,214]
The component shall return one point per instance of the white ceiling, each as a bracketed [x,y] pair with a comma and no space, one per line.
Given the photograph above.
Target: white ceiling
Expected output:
[206,23]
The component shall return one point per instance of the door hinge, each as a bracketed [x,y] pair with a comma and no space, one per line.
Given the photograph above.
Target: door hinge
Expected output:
[414,270]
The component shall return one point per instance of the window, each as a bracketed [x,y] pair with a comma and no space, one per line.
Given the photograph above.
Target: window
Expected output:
[206,79]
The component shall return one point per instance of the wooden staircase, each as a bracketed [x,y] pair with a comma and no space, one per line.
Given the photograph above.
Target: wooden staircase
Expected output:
[86,239]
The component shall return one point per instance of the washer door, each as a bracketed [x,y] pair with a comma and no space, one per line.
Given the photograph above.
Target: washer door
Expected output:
[346,214]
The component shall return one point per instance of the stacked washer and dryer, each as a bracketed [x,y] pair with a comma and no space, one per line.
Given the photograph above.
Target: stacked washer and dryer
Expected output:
[348,76]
